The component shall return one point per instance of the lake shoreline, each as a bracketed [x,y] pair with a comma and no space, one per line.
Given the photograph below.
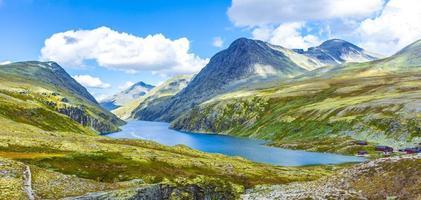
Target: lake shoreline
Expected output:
[252,149]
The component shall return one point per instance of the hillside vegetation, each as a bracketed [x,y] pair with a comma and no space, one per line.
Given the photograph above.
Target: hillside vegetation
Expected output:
[44,95]
[49,146]
[326,109]
[67,164]
[386,178]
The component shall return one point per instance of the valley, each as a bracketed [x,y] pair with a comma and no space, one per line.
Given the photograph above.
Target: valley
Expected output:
[210,100]
[54,130]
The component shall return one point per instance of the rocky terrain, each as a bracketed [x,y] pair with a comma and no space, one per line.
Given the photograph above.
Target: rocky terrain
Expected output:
[386,178]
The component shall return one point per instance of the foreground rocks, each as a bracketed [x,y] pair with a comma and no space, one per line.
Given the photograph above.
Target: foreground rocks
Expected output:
[158,192]
[395,178]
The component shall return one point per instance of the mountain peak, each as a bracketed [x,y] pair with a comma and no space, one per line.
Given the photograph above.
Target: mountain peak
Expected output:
[140,84]
[133,92]
[337,51]
[48,72]
[244,43]
[338,44]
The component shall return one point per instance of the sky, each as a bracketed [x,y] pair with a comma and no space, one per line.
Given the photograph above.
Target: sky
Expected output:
[107,45]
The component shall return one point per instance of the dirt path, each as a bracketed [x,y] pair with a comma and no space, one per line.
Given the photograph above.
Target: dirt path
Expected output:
[27,183]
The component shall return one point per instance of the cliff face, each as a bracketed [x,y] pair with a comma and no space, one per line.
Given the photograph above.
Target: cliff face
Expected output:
[163,192]
[79,114]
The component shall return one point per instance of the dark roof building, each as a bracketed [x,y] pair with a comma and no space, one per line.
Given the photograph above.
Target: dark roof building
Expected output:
[384,148]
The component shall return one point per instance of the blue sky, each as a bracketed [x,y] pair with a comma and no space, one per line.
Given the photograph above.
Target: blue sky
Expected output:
[26,24]
[105,43]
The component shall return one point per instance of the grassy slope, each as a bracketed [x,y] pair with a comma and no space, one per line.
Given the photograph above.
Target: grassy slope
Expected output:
[324,111]
[386,178]
[32,94]
[100,163]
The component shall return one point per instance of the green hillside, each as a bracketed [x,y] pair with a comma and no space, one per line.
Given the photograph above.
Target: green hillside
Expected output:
[47,125]
[66,164]
[325,110]
[44,95]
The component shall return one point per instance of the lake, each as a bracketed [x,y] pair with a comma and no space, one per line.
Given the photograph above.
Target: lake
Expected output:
[251,149]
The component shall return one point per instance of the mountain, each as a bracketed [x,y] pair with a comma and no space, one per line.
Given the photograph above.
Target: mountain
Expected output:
[252,64]
[142,107]
[49,149]
[44,95]
[133,92]
[336,51]
[246,64]
[326,109]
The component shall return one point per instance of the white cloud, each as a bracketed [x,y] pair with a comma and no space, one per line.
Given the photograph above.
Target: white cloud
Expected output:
[91,82]
[262,12]
[122,51]
[125,85]
[287,35]
[398,25]
[218,42]
[7,61]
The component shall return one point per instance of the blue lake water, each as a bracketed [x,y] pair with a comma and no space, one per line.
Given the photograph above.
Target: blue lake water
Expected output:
[251,149]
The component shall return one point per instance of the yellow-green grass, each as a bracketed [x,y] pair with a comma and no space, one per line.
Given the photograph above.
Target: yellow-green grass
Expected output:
[319,114]
[34,94]
[102,163]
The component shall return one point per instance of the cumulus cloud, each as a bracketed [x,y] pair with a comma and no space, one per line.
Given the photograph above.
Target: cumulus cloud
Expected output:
[218,42]
[287,35]
[125,85]
[262,12]
[282,22]
[398,25]
[91,82]
[122,51]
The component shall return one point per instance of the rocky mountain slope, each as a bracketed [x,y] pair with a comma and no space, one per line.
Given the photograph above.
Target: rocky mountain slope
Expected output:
[387,178]
[326,109]
[249,64]
[44,95]
[144,107]
[336,51]
[133,92]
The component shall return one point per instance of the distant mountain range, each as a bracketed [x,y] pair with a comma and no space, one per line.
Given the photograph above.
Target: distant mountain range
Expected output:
[155,99]
[252,64]
[336,51]
[133,92]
